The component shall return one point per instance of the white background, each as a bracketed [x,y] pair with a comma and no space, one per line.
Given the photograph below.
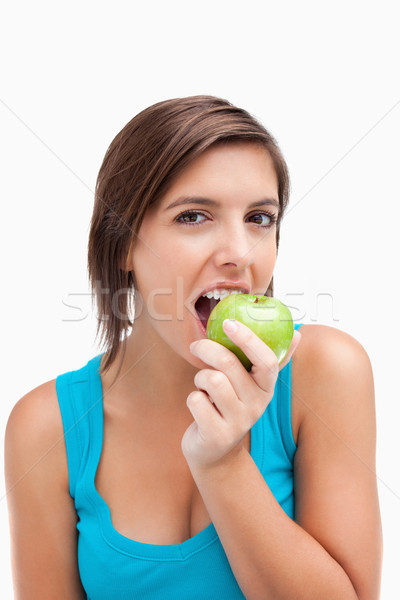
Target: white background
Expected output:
[323,77]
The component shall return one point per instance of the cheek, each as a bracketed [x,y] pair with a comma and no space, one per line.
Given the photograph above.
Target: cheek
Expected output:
[264,268]
[159,286]
[266,257]
[160,304]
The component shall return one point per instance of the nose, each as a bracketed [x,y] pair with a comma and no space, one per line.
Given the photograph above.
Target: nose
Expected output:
[234,248]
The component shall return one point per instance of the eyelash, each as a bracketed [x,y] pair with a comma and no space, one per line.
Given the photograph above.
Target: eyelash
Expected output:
[273,218]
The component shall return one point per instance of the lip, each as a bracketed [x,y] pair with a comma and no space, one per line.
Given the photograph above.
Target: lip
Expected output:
[224,285]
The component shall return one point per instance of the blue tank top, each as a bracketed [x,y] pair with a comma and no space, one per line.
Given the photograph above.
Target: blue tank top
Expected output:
[114,567]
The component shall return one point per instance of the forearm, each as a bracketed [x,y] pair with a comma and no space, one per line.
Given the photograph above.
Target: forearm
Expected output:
[270,555]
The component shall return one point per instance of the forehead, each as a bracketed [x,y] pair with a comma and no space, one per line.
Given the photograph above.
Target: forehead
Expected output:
[244,168]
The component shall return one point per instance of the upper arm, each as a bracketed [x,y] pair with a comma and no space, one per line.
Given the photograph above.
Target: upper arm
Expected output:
[41,511]
[336,488]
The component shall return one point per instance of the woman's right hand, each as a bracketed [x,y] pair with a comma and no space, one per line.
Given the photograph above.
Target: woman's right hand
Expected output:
[229,399]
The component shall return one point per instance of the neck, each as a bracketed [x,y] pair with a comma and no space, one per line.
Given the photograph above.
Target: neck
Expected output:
[150,370]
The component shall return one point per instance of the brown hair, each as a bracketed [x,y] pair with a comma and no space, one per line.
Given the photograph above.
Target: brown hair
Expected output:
[139,166]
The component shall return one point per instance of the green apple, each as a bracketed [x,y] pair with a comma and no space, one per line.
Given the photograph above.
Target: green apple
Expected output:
[269,318]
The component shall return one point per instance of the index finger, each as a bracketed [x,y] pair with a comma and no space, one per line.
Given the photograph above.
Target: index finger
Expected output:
[265,365]
[222,359]
[264,371]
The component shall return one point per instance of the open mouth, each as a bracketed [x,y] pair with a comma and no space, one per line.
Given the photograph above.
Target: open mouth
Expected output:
[203,307]
[209,300]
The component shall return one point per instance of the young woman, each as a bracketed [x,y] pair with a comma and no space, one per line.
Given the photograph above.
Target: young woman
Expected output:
[162,468]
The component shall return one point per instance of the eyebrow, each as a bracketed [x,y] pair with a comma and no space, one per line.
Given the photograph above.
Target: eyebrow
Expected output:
[209,202]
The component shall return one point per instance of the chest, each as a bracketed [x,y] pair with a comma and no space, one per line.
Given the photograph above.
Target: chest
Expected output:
[144,479]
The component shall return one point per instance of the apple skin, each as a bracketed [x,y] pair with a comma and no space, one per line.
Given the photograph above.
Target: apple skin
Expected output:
[269,318]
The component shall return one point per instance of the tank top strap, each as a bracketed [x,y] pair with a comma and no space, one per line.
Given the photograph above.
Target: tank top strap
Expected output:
[284,406]
[78,407]
[273,431]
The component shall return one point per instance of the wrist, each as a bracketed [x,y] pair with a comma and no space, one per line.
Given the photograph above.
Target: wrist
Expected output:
[221,466]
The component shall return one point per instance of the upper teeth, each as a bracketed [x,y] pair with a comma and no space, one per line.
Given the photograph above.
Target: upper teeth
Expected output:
[220,294]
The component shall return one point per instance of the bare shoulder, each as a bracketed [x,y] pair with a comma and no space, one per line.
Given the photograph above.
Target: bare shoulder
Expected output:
[332,373]
[32,404]
[41,511]
[35,421]
[330,346]
[333,406]
[34,435]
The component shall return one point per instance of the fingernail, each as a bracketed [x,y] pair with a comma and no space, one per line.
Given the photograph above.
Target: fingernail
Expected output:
[192,346]
[230,325]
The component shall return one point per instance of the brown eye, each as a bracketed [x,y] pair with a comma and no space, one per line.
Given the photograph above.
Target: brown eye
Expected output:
[264,219]
[189,218]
